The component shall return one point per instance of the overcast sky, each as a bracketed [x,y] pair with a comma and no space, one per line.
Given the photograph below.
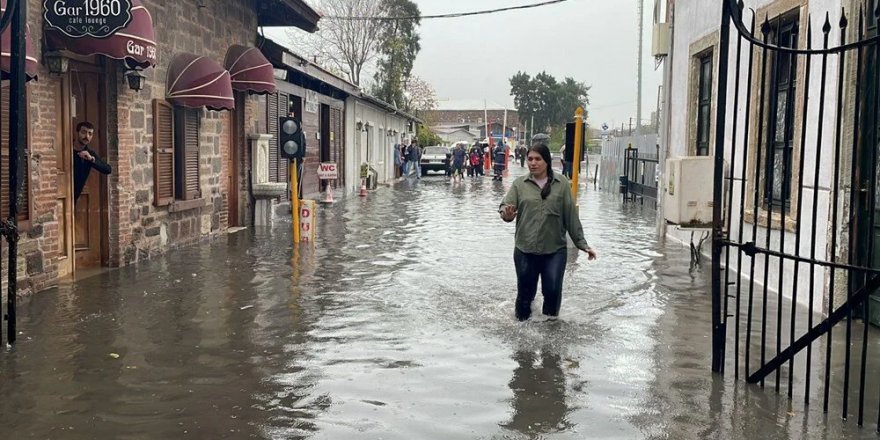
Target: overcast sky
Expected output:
[594,41]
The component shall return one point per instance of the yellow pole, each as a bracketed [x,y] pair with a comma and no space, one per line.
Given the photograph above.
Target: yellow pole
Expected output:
[294,200]
[576,159]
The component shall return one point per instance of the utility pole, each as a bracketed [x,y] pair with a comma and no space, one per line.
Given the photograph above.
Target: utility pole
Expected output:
[641,44]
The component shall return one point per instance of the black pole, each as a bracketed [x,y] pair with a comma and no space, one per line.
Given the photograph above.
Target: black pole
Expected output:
[719,332]
[16,153]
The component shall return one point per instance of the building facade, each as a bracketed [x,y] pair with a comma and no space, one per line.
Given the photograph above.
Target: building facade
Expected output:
[177,146]
[794,144]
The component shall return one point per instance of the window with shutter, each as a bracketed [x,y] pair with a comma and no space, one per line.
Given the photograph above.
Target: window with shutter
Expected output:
[163,153]
[283,110]
[25,205]
[187,123]
[272,129]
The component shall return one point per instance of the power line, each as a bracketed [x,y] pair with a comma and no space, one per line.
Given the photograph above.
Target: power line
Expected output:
[450,15]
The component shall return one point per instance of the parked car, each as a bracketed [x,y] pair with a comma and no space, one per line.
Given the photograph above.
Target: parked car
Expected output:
[434,158]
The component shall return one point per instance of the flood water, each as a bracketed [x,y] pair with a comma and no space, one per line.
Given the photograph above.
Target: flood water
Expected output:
[397,325]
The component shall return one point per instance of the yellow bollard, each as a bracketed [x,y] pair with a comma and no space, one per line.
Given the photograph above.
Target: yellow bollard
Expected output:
[576,159]
[294,201]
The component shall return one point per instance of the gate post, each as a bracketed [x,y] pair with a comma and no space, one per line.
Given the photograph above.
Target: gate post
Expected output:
[16,155]
[719,322]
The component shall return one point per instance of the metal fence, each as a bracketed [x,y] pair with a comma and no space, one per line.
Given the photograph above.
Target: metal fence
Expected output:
[13,21]
[796,259]
[641,176]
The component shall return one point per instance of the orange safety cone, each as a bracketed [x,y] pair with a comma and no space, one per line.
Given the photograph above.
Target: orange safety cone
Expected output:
[328,195]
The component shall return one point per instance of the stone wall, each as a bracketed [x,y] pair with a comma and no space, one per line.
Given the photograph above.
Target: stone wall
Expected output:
[137,229]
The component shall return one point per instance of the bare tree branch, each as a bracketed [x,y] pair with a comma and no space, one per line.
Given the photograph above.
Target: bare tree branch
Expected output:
[350,46]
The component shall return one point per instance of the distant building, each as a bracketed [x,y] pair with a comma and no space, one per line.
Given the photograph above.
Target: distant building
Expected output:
[451,116]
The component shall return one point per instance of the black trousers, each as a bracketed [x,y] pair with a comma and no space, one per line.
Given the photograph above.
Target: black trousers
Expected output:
[551,269]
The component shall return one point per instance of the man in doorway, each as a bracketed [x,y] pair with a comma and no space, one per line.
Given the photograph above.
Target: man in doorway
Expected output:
[84,158]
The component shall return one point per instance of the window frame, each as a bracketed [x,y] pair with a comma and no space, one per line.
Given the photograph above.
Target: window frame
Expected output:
[781,81]
[705,65]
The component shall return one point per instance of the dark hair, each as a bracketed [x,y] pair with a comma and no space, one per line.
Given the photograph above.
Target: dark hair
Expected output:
[541,148]
[87,125]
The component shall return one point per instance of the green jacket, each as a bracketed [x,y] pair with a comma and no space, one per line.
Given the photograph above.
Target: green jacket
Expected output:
[541,224]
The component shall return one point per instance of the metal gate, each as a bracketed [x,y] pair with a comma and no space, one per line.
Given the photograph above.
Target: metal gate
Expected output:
[13,22]
[794,258]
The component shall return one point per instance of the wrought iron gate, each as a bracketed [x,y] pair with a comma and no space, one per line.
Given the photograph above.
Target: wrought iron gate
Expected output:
[794,258]
[14,22]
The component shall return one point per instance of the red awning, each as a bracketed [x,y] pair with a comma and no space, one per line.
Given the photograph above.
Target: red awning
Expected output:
[250,70]
[32,64]
[136,43]
[195,81]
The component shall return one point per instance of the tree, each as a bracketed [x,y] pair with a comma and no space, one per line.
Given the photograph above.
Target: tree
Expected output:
[399,45]
[426,137]
[347,45]
[419,96]
[552,103]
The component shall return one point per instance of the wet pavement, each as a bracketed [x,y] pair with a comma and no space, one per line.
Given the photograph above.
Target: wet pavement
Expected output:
[398,325]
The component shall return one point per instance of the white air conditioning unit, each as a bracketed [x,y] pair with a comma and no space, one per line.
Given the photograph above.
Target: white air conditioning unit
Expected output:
[660,48]
[689,191]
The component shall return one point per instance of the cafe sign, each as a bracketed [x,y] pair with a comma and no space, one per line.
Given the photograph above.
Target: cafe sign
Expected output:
[87,18]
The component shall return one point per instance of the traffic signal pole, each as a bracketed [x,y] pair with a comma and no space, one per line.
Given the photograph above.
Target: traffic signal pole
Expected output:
[294,200]
[576,159]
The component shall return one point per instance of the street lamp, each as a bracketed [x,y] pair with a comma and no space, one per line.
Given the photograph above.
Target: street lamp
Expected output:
[56,61]
[136,80]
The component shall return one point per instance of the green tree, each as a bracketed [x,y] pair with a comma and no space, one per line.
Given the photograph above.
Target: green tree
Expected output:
[399,44]
[426,137]
[552,103]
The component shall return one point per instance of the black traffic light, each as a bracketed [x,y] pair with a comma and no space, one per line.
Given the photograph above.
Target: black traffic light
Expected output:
[569,142]
[292,140]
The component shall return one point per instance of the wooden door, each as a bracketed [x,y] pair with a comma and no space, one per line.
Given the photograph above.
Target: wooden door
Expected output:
[90,209]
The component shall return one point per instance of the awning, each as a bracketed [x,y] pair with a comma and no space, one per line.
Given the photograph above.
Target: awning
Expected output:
[250,70]
[195,81]
[136,43]
[32,64]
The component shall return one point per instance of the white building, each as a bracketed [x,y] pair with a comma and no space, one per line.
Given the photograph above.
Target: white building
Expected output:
[373,128]
[786,122]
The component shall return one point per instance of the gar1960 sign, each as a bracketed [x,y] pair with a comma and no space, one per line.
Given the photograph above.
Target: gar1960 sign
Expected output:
[87,18]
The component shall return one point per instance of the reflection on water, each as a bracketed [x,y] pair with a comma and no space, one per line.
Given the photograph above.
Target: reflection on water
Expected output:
[538,386]
[397,325]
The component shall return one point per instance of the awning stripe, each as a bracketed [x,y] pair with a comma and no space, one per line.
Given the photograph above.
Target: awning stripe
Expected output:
[250,70]
[195,81]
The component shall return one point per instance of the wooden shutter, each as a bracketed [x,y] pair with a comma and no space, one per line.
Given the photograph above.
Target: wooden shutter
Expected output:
[283,110]
[272,129]
[163,153]
[187,153]
[339,142]
[24,206]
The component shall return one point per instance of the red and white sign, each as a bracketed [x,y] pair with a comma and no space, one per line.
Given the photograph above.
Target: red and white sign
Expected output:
[307,222]
[328,171]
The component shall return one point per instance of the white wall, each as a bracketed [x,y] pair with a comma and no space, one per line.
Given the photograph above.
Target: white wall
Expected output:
[693,20]
[374,146]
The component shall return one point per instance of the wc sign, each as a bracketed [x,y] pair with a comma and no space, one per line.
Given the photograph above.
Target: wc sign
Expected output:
[328,171]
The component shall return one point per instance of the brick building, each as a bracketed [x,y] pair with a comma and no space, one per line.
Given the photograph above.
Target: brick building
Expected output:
[471,115]
[178,146]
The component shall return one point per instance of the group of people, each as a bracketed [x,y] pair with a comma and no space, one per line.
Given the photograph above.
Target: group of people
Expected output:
[472,159]
[408,158]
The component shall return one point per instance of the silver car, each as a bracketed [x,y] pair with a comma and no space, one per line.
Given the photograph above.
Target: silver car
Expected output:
[434,158]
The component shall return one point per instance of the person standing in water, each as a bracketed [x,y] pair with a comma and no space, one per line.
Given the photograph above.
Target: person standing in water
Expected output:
[544,210]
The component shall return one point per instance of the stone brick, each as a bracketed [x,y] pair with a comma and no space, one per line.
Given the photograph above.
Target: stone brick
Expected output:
[34,263]
[147,221]
[153,232]
[134,215]
[137,118]
[142,196]
[36,231]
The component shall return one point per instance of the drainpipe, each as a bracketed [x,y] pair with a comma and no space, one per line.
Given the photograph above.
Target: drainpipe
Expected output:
[666,126]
